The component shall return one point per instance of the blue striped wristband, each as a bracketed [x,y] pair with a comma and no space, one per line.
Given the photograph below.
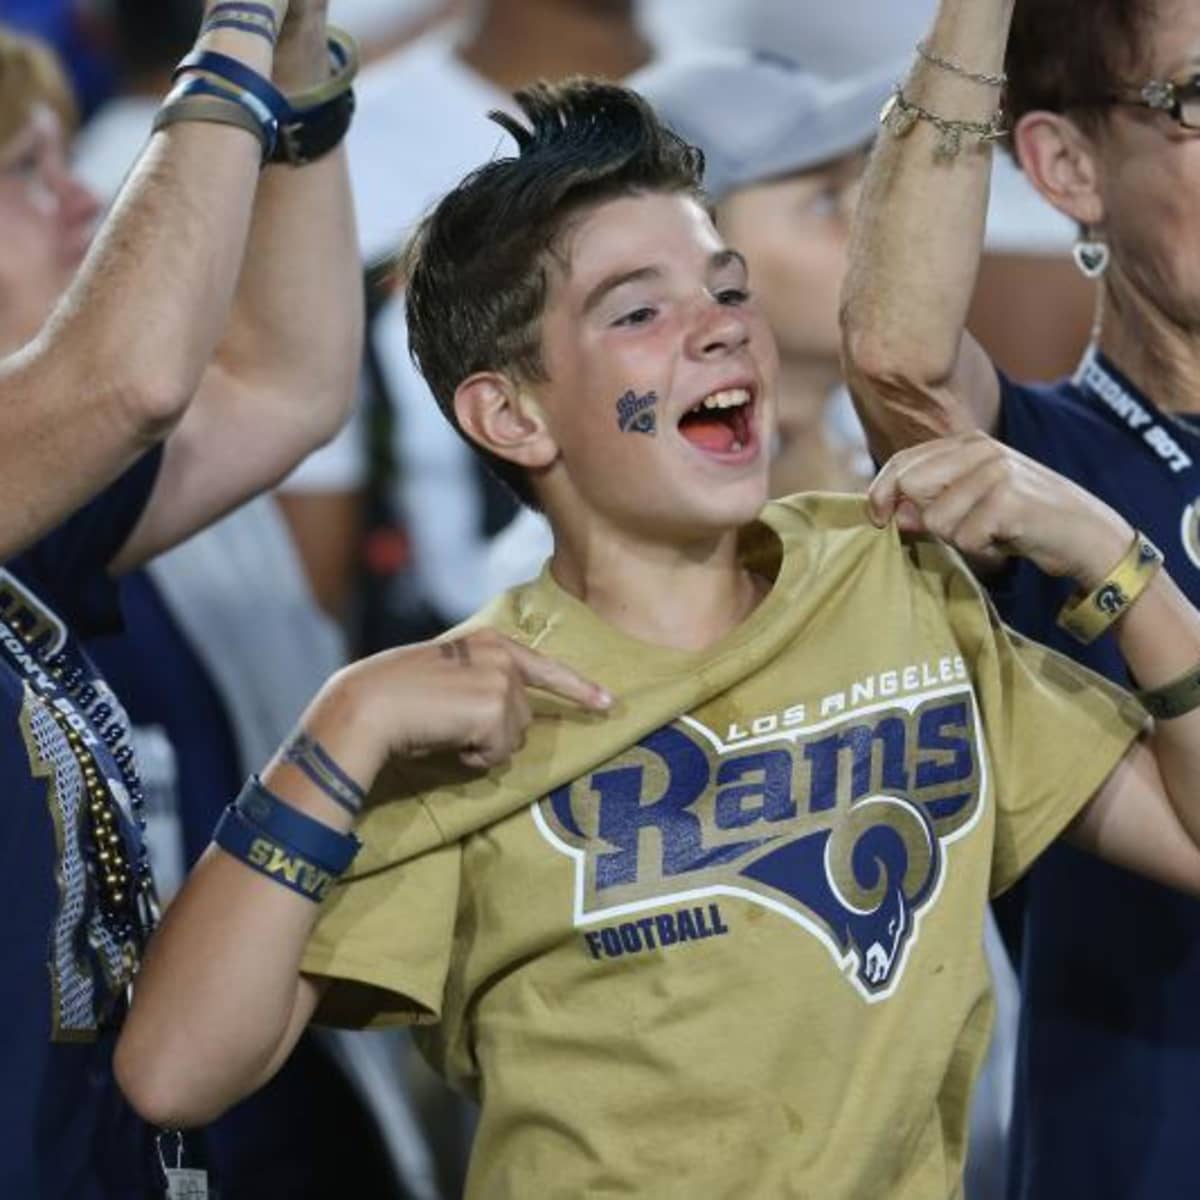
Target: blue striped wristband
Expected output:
[267,126]
[225,67]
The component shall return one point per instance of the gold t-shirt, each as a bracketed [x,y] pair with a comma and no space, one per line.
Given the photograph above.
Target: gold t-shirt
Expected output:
[727,941]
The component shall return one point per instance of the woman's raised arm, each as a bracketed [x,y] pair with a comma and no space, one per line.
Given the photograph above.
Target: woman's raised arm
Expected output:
[914,371]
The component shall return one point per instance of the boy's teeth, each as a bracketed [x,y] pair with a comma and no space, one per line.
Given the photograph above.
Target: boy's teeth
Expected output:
[730,398]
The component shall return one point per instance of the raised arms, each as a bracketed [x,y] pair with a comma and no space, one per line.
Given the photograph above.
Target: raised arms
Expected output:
[914,370]
[116,365]
[219,309]
[285,370]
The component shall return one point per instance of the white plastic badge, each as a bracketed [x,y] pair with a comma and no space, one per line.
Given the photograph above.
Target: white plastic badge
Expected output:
[184,1183]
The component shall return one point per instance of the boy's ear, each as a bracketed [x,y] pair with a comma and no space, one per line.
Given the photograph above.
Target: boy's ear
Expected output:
[504,418]
[1059,159]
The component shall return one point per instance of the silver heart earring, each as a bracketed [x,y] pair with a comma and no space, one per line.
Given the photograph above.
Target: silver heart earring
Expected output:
[1091,255]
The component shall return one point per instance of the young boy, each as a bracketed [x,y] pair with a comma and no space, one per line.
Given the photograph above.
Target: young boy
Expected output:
[784,152]
[715,929]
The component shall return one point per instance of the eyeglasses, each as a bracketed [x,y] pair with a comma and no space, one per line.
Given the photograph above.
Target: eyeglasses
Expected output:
[1178,98]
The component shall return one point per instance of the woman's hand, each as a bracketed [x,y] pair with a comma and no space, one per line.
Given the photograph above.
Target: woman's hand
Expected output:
[993,503]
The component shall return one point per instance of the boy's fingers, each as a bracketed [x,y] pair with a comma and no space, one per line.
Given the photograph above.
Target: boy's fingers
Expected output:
[553,676]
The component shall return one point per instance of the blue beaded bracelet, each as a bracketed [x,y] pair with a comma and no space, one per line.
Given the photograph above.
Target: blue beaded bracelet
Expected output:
[248,844]
[298,831]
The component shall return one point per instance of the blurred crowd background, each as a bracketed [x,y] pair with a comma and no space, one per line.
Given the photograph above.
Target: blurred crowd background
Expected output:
[393,532]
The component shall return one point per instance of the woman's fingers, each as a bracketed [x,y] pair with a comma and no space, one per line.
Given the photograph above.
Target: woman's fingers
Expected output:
[921,473]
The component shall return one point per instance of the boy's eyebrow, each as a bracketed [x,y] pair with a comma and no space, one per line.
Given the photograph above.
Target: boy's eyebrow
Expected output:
[716,262]
[722,258]
[611,282]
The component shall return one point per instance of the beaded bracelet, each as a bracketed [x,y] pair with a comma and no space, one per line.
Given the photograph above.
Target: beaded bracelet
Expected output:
[1086,618]
[298,831]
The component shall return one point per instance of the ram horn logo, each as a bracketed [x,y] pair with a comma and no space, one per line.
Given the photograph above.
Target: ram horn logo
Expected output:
[866,880]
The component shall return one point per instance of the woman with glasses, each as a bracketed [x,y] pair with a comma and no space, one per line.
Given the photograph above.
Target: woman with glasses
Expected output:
[1100,100]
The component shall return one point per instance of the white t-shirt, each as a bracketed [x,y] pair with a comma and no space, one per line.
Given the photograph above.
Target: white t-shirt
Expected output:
[419,127]
[108,145]
[368,19]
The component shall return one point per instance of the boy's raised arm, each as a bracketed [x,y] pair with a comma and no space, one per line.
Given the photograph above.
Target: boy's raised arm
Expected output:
[220,1001]
[914,371]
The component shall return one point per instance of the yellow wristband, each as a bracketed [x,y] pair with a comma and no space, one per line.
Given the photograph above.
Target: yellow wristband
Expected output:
[1086,618]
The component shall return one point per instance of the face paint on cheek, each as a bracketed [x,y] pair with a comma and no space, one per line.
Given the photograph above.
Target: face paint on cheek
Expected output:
[637,414]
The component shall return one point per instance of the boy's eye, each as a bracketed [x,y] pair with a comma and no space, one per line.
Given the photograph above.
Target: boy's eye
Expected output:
[639,316]
[732,296]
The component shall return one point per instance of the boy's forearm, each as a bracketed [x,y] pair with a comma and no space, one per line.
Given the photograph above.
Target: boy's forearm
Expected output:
[215,997]
[918,231]
[218,1002]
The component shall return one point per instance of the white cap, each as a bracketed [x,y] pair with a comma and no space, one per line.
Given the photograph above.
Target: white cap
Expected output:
[760,116]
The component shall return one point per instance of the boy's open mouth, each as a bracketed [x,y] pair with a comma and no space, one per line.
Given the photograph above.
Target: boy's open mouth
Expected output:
[720,423]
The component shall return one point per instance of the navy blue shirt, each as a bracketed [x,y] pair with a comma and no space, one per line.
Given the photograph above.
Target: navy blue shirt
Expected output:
[67,939]
[1108,1096]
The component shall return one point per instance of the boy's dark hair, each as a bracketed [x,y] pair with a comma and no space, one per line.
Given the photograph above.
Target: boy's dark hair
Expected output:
[1067,56]
[476,270]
